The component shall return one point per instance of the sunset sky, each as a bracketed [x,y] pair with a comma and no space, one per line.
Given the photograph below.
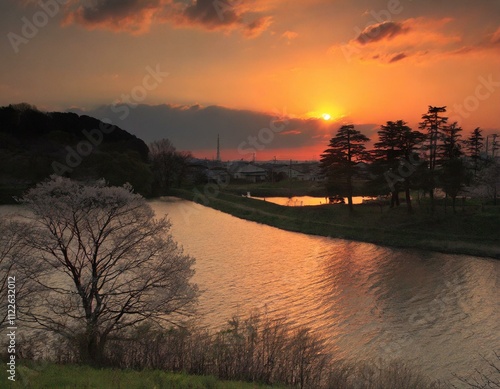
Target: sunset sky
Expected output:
[189,70]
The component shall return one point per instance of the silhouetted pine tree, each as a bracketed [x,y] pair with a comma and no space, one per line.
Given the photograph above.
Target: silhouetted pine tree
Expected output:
[474,145]
[340,161]
[453,168]
[433,123]
[397,152]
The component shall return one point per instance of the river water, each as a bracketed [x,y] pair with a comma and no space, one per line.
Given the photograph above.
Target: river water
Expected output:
[299,201]
[440,312]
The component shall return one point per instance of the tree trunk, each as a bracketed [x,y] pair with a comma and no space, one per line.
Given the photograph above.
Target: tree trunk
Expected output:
[431,196]
[453,201]
[349,194]
[91,349]
[408,200]
[394,199]
[349,201]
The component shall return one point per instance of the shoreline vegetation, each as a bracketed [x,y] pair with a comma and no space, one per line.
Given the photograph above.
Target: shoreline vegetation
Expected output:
[257,351]
[49,375]
[471,231]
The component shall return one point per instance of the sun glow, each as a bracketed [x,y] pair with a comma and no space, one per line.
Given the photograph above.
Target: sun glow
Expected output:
[326,116]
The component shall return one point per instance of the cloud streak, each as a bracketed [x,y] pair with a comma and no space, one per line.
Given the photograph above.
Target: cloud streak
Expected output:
[381,31]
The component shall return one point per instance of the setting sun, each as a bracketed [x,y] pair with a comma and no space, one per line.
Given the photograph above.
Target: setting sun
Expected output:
[326,116]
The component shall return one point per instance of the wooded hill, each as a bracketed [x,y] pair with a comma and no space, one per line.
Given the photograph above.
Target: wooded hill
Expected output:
[35,144]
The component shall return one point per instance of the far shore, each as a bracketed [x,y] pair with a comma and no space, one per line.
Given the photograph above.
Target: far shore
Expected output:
[471,231]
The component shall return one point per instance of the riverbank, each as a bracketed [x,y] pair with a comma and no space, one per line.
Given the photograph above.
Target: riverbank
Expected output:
[72,376]
[471,231]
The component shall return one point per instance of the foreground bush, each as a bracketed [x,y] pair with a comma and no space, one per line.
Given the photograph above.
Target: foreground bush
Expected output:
[254,349]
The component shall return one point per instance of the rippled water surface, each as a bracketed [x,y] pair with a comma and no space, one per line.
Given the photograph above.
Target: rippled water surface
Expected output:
[438,311]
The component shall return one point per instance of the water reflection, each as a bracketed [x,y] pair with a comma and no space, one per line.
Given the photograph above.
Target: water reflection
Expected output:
[440,311]
[299,201]
[368,302]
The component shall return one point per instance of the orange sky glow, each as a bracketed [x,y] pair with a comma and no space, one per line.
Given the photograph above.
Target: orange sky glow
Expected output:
[362,61]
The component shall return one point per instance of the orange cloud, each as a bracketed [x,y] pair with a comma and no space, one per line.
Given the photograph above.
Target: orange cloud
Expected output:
[257,27]
[289,35]
[392,42]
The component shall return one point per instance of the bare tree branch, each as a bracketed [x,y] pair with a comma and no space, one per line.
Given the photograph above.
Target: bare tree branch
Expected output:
[103,263]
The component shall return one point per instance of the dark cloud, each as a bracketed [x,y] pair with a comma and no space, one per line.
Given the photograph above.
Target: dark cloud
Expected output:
[224,14]
[212,14]
[114,9]
[258,26]
[133,16]
[137,16]
[377,32]
[196,128]
[398,57]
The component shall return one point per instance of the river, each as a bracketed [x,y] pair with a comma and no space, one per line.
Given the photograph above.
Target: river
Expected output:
[440,312]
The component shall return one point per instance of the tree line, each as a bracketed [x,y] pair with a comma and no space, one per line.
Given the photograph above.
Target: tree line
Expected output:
[403,159]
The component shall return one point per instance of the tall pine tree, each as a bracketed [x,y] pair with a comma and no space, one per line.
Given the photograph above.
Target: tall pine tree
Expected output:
[433,123]
[474,144]
[340,161]
[453,171]
[397,152]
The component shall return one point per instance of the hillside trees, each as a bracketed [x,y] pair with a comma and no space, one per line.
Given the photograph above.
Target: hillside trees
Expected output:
[169,165]
[36,144]
[100,263]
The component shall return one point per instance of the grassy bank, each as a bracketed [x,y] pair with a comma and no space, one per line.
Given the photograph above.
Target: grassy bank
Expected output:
[470,231]
[77,377]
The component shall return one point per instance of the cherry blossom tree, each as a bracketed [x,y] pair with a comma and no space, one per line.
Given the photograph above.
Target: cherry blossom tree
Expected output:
[100,263]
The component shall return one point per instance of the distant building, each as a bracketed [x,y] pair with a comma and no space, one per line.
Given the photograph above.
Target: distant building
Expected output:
[301,171]
[292,173]
[247,171]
